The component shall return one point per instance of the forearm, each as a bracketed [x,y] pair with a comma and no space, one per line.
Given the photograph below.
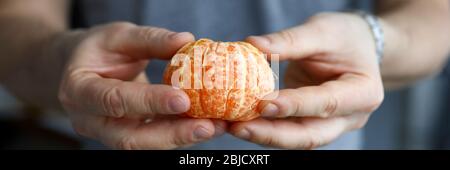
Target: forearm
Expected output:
[417,39]
[31,49]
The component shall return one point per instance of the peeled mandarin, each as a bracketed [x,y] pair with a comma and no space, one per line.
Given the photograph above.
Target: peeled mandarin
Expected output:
[224,80]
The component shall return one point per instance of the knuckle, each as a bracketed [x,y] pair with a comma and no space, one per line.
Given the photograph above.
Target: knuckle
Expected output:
[331,106]
[320,16]
[109,34]
[290,146]
[148,33]
[375,102]
[269,141]
[319,24]
[64,99]
[298,104]
[312,143]
[315,140]
[113,103]
[120,26]
[322,20]
[290,103]
[180,138]
[288,36]
[127,143]
[149,103]
[64,93]
[178,142]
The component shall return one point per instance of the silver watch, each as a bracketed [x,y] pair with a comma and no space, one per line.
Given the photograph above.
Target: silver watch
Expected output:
[377,32]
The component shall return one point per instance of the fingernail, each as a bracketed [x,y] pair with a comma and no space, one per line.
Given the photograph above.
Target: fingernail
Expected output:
[201,133]
[179,34]
[270,110]
[178,104]
[243,134]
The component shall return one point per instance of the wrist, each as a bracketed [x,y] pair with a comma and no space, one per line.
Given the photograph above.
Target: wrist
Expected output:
[395,41]
[36,80]
[57,50]
[377,32]
[51,64]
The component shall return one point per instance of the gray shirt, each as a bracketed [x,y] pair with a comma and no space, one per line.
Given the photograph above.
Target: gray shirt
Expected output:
[228,20]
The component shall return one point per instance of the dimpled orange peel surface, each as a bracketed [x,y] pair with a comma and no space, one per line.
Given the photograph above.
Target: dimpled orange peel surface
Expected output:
[224,80]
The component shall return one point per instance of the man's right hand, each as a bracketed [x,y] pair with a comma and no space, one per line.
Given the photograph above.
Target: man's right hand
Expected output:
[109,98]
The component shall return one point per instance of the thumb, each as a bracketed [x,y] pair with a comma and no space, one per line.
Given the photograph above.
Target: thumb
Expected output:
[294,43]
[144,42]
[93,94]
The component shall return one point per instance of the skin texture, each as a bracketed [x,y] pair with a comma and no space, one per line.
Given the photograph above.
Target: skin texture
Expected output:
[97,76]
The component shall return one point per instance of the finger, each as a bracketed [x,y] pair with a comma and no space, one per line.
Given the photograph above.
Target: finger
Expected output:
[348,95]
[115,98]
[163,134]
[158,134]
[296,42]
[145,42]
[220,127]
[297,133]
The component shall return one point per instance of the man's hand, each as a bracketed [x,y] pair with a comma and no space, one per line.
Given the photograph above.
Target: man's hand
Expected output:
[333,82]
[109,98]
